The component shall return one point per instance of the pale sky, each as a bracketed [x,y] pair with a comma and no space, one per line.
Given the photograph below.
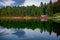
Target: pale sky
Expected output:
[35,2]
[22,2]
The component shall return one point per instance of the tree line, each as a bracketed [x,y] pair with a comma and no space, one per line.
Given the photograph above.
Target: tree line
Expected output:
[43,9]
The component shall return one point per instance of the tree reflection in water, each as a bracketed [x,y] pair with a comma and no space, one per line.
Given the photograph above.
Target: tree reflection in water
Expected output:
[49,26]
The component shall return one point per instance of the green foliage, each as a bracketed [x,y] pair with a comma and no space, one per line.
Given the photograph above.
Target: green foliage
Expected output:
[57,14]
[49,10]
[43,9]
[56,9]
[57,17]
[30,24]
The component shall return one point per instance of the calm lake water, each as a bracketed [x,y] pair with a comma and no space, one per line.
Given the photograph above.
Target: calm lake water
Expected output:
[29,30]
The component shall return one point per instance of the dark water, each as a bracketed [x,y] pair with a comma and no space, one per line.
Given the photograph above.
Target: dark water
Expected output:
[29,30]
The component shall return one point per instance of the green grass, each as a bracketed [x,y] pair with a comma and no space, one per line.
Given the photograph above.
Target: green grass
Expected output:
[57,16]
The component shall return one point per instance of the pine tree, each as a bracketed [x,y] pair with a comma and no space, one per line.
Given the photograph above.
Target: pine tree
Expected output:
[49,10]
[44,9]
[41,11]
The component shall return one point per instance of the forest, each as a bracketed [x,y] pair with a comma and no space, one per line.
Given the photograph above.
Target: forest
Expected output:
[44,9]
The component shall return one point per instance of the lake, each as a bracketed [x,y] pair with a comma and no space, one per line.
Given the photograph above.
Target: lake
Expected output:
[29,30]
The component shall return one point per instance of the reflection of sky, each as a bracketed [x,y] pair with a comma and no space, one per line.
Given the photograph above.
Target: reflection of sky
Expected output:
[28,34]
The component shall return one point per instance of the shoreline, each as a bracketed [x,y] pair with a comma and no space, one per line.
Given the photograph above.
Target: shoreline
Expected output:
[27,17]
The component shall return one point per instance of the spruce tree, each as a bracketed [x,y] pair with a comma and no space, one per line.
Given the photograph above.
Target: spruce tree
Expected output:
[49,10]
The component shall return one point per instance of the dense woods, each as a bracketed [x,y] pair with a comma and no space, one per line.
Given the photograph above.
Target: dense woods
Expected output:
[44,9]
[57,7]
[27,11]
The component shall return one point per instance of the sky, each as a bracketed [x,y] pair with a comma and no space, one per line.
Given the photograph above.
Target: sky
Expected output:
[22,2]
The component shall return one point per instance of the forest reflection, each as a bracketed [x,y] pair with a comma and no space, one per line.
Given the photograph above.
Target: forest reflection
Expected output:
[49,26]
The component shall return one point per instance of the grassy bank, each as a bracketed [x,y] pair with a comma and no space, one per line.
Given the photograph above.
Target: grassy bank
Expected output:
[57,17]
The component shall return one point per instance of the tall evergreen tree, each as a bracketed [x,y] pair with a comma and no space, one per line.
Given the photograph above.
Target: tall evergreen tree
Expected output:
[49,10]
[42,8]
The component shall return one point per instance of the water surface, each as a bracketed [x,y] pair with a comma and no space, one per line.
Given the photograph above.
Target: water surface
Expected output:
[29,30]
